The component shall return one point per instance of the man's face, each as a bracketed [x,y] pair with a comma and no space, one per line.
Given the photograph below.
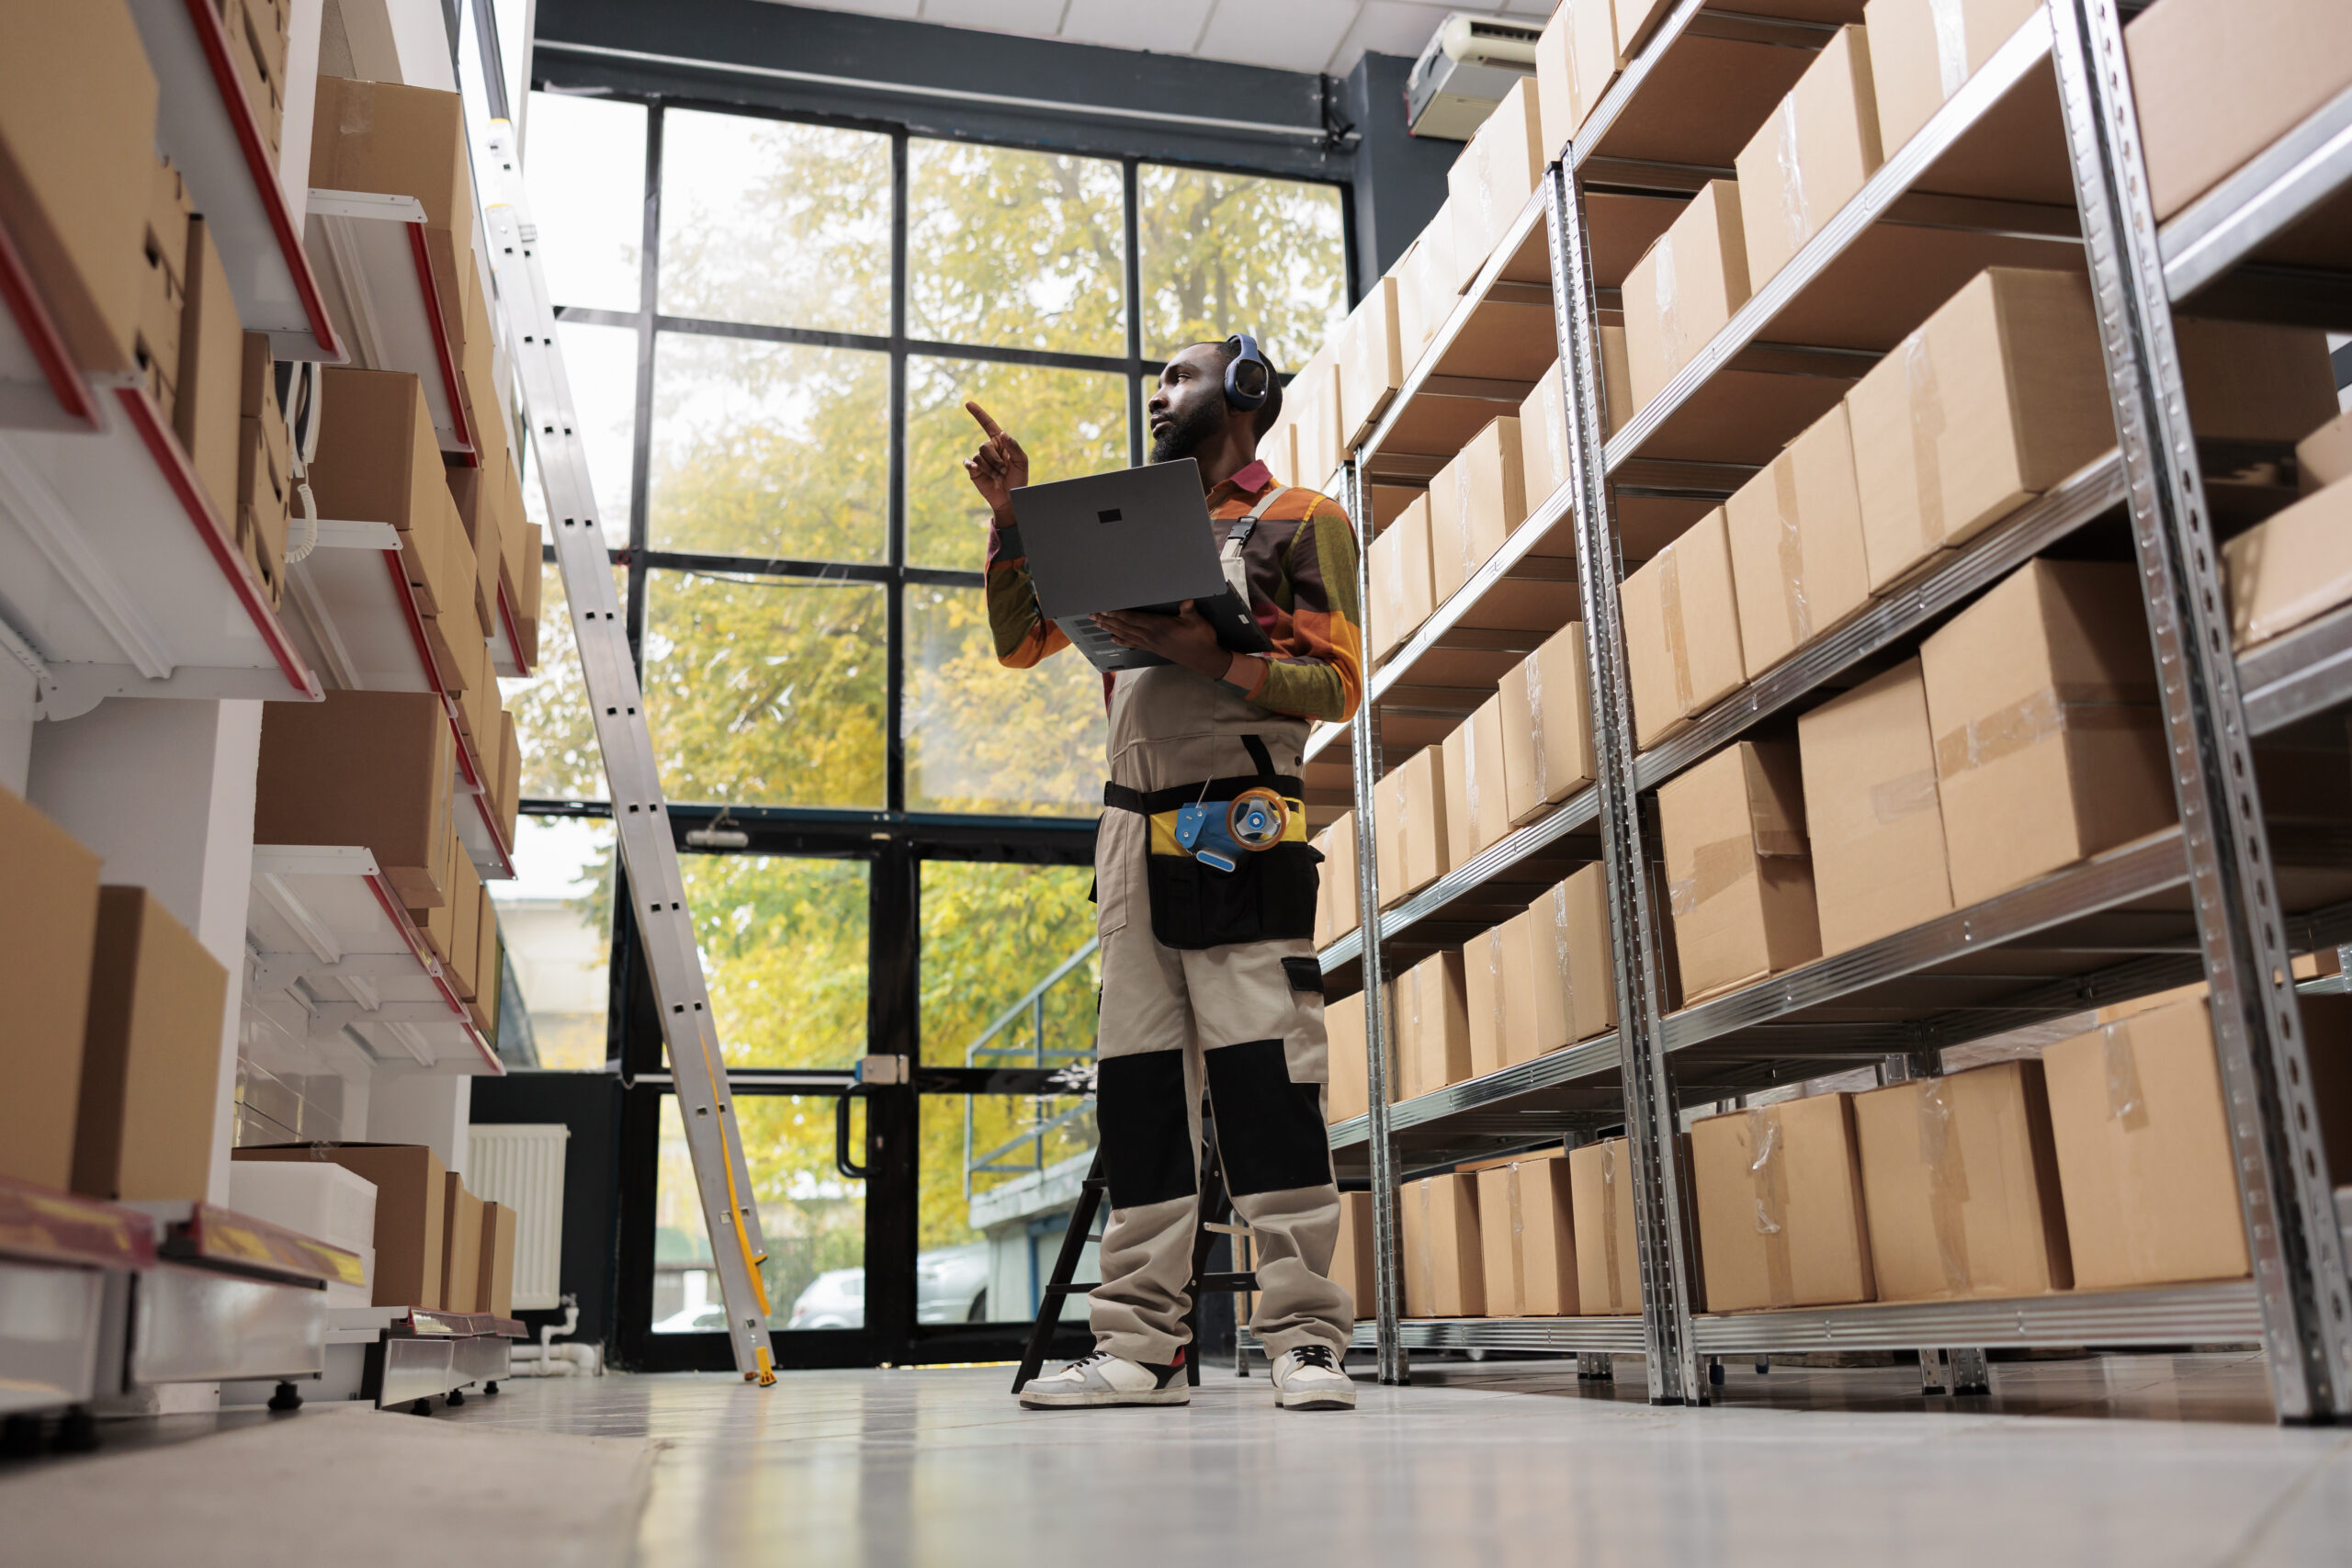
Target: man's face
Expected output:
[1189,408]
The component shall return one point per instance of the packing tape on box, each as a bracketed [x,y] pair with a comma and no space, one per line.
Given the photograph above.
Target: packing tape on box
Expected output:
[1795,220]
[1677,639]
[2125,1102]
[1768,1172]
[1412,1085]
[1609,1220]
[1928,426]
[1493,943]
[1947,1184]
[1534,669]
[1423,1262]
[1793,595]
[1907,796]
[1517,1245]
[1470,785]
[2041,716]
[1669,319]
[1560,953]
[1950,20]
[1717,866]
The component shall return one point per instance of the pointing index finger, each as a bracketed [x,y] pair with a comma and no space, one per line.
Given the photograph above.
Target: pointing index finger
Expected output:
[986,424]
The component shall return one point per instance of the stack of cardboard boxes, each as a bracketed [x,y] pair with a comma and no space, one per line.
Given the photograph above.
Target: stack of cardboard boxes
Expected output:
[435,1244]
[258,38]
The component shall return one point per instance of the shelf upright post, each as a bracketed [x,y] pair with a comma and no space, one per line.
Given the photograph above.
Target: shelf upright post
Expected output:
[1659,1212]
[2283,1186]
[1363,745]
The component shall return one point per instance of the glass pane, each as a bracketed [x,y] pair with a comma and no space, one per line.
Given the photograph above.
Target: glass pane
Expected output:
[989,1246]
[1225,254]
[774,223]
[1069,421]
[766,690]
[770,449]
[556,918]
[584,164]
[561,760]
[782,944]
[990,933]
[601,363]
[812,1219]
[982,737]
[1023,250]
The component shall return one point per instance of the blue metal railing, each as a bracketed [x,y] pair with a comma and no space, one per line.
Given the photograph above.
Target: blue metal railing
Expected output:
[986,1050]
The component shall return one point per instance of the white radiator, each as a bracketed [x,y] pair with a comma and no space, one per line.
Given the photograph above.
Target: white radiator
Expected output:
[520,1167]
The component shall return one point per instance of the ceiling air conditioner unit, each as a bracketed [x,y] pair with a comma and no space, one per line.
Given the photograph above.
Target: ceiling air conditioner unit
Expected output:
[1464,73]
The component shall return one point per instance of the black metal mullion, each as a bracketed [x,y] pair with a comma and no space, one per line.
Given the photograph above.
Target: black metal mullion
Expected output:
[894,740]
[1133,367]
[641,442]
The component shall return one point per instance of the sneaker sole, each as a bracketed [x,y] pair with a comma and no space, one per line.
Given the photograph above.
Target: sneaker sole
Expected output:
[1091,1401]
[1314,1401]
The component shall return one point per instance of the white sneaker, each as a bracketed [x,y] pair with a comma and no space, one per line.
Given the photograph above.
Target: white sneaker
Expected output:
[1309,1379]
[1103,1378]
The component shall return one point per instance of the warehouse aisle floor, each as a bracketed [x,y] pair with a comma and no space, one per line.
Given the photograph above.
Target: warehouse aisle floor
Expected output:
[2152,1460]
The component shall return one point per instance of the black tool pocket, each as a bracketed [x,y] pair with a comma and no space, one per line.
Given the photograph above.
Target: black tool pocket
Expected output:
[1270,897]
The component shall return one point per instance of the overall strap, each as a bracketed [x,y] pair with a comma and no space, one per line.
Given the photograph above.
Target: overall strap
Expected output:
[1247,523]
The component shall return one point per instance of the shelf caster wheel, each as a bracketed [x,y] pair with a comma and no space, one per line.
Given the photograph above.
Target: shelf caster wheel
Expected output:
[457,1397]
[77,1432]
[421,1407]
[21,1437]
[286,1399]
[1715,1371]
[1763,1365]
[491,1387]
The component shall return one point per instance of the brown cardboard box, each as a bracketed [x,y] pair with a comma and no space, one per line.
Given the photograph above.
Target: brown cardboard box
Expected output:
[1635,20]
[1547,730]
[510,781]
[1445,1269]
[1608,1258]
[1922,51]
[1409,810]
[1474,503]
[1353,1259]
[1544,439]
[1527,1234]
[1576,60]
[1680,294]
[1810,157]
[1433,1026]
[1616,376]
[478,375]
[402,140]
[489,971]
[1336,899]
[212,352]
[1485,978]
[49,927]
[163,286]
[369,768]
[1779,1194]
[1797,560]
[411,1202]
[379,461]
[1872,818]
[2253,381]
[1372,362]
[1960,1182]
[151,1061]
[1349,1093]
[1317,389]
[449,575]
[1682,635]
[1403,584]
[2049,744]
[460,1243]
[1740,878]
[438,924]
[2001,394]
[77,131]
[1425,291]
[1561,984]
[1477,814]
[495,1284]
[2142,1135]
[2217,80]
[464,951]
[1492,179]
[477,494]
[2293,569]
[2325,455]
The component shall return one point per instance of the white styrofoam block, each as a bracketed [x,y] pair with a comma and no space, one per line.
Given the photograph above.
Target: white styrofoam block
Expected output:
[323,1201]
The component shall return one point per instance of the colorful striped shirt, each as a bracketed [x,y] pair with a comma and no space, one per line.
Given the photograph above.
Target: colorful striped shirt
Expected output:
[1302,566]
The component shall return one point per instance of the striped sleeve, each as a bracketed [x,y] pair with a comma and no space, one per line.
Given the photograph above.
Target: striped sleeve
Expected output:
[1023,636]
[1316,670]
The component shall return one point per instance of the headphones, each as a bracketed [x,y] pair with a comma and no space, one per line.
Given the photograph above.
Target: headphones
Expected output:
[1249,380]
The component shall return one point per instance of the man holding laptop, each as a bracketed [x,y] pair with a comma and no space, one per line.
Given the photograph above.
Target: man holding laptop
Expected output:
[1224,622]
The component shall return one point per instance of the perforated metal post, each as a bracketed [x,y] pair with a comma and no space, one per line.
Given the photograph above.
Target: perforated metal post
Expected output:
[640,815]
[1658,1200]
[2291,1222]
[1363,743]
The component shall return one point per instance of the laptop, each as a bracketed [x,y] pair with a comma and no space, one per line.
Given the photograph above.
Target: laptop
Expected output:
[1134,540]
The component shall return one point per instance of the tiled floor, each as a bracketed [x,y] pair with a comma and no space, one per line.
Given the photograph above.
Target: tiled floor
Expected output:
[2146,1460]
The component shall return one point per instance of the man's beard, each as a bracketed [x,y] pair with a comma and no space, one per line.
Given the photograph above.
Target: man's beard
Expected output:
[1189,432]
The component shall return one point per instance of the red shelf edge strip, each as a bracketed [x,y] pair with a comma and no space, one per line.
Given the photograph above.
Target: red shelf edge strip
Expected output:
[396,912]
[467,761]
[451,383]
[41,335]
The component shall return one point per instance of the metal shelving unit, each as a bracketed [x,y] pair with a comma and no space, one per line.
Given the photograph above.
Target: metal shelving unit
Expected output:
[2200,900]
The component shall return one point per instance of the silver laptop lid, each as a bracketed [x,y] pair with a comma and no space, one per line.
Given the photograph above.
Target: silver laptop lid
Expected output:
[1120,540]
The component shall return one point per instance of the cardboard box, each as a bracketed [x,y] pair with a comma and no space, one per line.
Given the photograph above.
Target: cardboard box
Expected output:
[369,768]
[464,953]
[1476,813]
[2290,569]
[1544,439]
[1409,810]
[379,461]
[2253,381]
[1335,900]
[1320,448]
[1560,983]
[1492,179]
[478,494]
[1372,362]
[1798,565]
[2050,746]
[1355,1259]
[1739,879]
[2324,456]
[1546,726]
[2217,80]
[494,1276]
[1349,1093]
[163,285]
[402,140]
[1474,503]
[1527,1237]
[1810,157]
[1960,1182]
[77,134]
[460,1243]
[1485,978]
[1576,60]
[1682,633]
[212,351]
[2140,1131]
[1616,376]
[1609,1257]
[1779,1194]
[2001,394]
[1445,1266]
[1425,291]
[411,1201]
[1683,290]
[438,923]
[151,1061]
[1872,816]
[1922,51]
[510,784]
[1404,584]
[1433,1026]
[490,978]
[1636,19]
[49,927]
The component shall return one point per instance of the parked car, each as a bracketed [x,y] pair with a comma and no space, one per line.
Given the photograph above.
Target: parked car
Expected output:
[950,1286]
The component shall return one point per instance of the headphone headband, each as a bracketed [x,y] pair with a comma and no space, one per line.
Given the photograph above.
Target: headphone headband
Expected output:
[1249,380]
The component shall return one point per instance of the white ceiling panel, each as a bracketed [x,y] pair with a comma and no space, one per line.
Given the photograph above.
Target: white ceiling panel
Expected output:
[1392,27]
[1289,35]
[1036,16]
[1168,27]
